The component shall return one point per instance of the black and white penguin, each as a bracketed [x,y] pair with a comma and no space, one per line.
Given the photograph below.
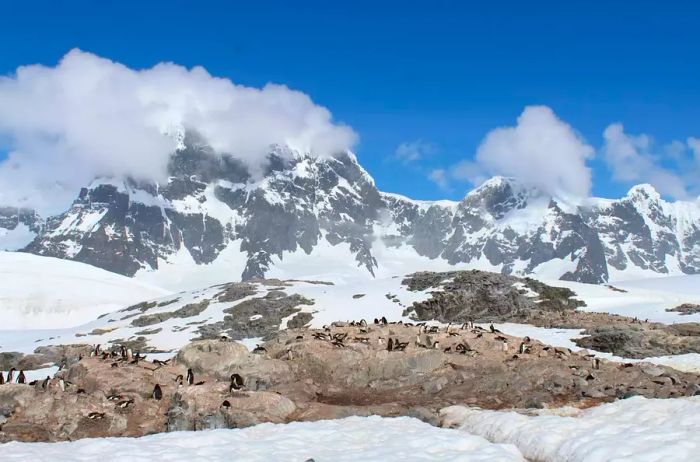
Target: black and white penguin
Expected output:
[384,321]
[21,378]
[10,374]
[178,380]
[226,404]
[62,384]
[493,329]
[363,323]
[236,382]
[376,321]
[125,403]
[95,415]
[390,345]
[2,379]
[45,383]
[157,393]
[259,349]
[122,351]
[190,377]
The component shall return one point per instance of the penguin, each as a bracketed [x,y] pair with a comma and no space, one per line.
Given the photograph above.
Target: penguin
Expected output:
[259,349]
[390,345]
[125,403]
[10,374]
[45,383]
[122,351]
[376,321]
[2,379]
[114,397]
[236,382]
[522,348]
[505,345]
[95,415]
[596,363]
[62,384]
[157,392]
[493,329]
[384,321]
[80,391]
[436,345]
[363,323]
[178,380]
[190,377]
[21,378]
[226,404]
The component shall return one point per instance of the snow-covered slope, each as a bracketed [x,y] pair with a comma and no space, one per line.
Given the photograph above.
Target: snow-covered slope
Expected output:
[634,429]
[345,440]
[42,292]
[214,222]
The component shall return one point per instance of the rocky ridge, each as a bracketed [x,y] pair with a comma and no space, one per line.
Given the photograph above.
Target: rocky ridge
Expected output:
[307,374]
[213,209]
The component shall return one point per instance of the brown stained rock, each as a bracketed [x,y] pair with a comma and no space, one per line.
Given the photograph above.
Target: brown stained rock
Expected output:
[300,377]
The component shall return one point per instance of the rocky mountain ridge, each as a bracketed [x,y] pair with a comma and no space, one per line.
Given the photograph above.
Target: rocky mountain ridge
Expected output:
[214,211]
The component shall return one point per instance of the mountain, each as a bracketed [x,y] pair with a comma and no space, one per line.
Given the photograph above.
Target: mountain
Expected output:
[215,221]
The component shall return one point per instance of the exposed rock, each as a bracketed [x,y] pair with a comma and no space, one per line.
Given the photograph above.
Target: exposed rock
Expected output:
[686,309]
[308,374]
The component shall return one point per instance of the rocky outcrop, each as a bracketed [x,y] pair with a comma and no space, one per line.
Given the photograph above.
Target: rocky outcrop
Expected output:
[686,309]
[481,296]
[306,374]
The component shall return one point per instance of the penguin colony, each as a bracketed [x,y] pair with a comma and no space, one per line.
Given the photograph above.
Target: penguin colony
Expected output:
[119,356]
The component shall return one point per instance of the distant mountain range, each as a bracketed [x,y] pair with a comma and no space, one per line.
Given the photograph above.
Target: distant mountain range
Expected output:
[306,214]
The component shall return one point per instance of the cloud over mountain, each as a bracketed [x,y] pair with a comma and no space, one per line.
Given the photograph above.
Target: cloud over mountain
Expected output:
[540,150]
[89,116]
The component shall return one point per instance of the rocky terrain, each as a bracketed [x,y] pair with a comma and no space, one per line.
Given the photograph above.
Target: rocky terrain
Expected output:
[310,374]
[213,210]
[477,296]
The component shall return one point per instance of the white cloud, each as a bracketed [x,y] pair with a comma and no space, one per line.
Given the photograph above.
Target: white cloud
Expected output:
[632,159]
[540,150]
[440,177]
[414,151]
[90,116]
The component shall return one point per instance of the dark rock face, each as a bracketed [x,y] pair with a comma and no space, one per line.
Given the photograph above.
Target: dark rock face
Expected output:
[211,203]
[480,296]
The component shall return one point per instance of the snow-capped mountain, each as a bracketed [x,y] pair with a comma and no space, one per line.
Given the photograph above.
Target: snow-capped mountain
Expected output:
[216,220]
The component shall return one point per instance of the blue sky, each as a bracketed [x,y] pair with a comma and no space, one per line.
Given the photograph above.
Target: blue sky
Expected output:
[444,73]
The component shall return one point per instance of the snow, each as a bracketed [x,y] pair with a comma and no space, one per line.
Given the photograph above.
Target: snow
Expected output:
[689,362]
[351,439]
[44,292]
[647,301]
[634,430]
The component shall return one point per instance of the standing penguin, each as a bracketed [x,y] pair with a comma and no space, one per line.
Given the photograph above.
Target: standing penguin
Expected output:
[21,378]
[190,377]
[10,374]
[178,380]
[390,345]
[236,382]
[62,384]
[157,392]
[45,383]
[2,379]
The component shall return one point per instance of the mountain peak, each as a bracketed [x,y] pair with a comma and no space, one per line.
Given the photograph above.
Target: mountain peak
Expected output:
[643,191]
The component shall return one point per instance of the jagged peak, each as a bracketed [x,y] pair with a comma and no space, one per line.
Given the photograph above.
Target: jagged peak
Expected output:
[644,190]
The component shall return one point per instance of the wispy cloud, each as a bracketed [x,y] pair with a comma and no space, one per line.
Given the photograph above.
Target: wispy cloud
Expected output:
[414,151]
[636,158]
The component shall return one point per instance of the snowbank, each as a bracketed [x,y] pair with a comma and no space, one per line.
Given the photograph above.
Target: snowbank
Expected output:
[351,439]
[635,429]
